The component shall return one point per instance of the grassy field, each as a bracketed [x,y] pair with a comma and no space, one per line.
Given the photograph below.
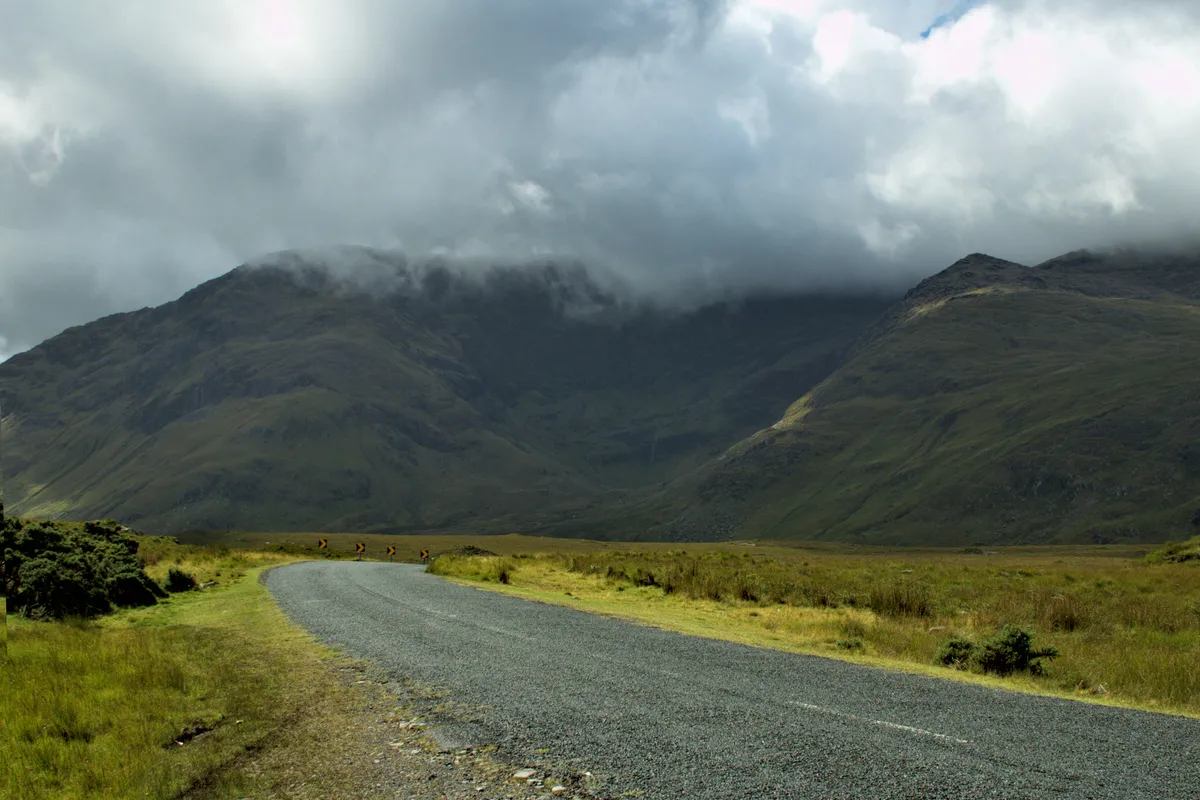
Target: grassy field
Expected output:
[1127,631]
[187,698]
[408,548]
[214,693]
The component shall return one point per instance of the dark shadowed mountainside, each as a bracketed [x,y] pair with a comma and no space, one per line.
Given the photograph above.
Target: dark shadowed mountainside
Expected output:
[995,404]
[280,398]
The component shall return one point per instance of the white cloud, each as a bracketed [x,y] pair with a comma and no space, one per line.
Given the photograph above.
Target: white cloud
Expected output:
[886,241]
[843,40]
[531,195]
[144,147]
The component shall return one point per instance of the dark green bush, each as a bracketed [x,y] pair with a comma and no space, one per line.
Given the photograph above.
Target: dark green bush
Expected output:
[179,581]
[955,652]
[1012,651]
[55,570]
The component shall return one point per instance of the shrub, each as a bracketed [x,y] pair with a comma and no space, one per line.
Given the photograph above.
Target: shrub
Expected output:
[1012,651]
[179,581]
[955,652]
[54,570]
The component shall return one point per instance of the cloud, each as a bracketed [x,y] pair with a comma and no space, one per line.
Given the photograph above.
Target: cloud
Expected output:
[950,17]
[733,145]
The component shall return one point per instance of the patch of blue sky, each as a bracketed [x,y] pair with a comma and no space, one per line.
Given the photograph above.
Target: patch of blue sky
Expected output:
[953,15]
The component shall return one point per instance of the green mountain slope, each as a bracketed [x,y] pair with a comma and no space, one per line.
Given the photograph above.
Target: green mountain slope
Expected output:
[995,404]
[281,398]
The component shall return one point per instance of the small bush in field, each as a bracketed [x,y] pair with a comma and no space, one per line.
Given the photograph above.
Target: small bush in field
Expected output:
[1012,651]
[179,581]
[956,652]
[1009,652]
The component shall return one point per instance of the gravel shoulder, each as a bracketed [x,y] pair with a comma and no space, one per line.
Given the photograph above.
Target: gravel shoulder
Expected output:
[609,708]
[373,742]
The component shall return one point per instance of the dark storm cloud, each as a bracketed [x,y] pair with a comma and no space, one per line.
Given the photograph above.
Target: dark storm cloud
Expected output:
[145,147]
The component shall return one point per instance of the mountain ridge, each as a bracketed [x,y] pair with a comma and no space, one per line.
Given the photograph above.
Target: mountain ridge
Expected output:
[1118,337]
[462,401]
[992,403]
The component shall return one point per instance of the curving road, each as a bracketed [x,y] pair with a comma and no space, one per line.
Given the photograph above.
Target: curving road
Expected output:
[675,716]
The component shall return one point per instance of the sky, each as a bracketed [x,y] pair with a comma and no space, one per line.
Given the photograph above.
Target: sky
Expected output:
[738,145]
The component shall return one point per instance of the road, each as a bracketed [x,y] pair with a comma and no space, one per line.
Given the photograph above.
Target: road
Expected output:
[675,716]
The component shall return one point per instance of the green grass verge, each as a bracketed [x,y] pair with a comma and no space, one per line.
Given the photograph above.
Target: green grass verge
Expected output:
[1128,632]
[185,698]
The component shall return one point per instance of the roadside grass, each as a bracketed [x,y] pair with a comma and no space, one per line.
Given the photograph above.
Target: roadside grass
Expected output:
[1127,632]
[182,699]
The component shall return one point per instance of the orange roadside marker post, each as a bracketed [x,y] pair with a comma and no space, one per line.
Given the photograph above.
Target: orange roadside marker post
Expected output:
[391,551]
[424,556]
[360,548]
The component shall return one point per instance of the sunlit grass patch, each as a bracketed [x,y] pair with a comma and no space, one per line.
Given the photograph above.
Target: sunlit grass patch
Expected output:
[1176,552]
[90,711]
[151,702]
[1124,631]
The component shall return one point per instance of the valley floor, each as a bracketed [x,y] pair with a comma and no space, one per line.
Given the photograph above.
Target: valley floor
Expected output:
[215,693]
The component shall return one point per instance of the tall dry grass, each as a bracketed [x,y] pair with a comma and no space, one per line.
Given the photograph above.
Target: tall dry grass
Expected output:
[1124,628]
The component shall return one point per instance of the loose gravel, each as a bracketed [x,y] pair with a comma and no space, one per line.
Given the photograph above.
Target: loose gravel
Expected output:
[610,708]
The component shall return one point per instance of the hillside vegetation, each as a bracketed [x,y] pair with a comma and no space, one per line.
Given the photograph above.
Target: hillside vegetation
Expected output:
[280,397]
[996,404]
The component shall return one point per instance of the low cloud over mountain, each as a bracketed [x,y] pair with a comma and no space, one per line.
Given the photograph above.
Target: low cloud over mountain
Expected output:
[743,144]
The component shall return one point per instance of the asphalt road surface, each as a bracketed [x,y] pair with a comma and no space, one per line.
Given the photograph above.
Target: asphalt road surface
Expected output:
[674,716]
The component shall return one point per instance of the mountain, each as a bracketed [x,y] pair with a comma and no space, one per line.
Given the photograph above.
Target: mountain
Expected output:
[995,404]
[289,396]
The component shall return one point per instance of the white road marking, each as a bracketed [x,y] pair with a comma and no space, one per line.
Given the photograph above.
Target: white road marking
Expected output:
[833,712]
